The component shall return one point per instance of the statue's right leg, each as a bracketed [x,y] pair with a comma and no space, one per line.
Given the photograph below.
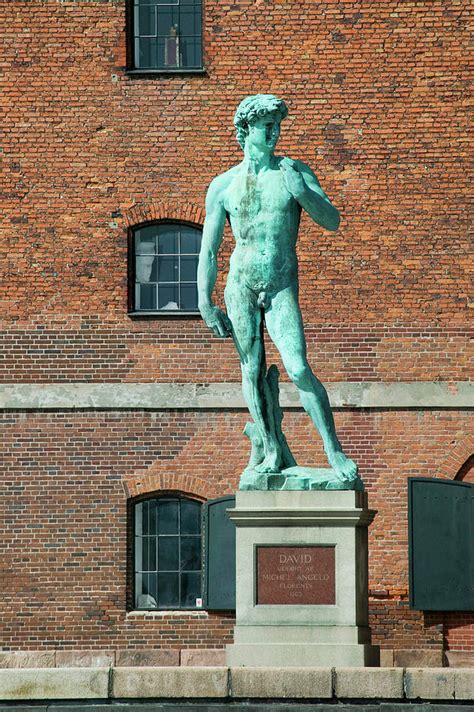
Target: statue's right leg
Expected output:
[246,317]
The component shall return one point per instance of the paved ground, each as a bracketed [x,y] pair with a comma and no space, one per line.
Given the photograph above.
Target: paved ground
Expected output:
[183,706]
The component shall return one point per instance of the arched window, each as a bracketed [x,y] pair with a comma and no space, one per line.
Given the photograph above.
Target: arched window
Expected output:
[167,553]
[164,259]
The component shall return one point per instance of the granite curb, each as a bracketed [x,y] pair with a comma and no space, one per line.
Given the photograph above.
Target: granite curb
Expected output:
[414,685]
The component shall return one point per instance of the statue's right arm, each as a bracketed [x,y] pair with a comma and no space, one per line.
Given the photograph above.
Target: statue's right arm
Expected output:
[212,235]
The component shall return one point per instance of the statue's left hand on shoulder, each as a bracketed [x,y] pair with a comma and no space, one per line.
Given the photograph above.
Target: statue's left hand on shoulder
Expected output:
[294,181]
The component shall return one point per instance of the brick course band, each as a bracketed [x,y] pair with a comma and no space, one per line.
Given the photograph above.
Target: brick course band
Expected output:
[194,396]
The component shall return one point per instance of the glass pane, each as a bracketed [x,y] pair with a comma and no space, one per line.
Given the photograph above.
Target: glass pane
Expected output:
[147,21]
[160,53]
[151,529]
[168,297]
[168,517]
[145,268]
[145,242]
[167,269]
[190,240]
[146,296]
[190,517]
[145,591]
[189,22]
[167,240]
[188,268]
[172,48]
[139,518]
[168,553]
[149,553]
[147,233]
[138,554]
[190,553]
[148,53]
[189,298]
[190,589]
[191,51]
[168,590]
[167,21]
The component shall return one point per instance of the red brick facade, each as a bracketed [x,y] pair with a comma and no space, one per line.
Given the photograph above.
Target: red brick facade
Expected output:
[378,107]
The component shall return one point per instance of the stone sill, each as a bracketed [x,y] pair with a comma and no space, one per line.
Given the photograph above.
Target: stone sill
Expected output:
[183,613]
[325,684]
[168,314]
[180,71]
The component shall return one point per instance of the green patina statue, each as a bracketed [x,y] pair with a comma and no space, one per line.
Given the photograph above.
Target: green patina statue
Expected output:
[262,198]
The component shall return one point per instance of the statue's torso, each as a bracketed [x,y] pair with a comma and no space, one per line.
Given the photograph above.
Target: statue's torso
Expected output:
[264,218]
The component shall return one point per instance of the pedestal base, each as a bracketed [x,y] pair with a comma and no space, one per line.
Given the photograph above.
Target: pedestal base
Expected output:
[302,597]
[296,655]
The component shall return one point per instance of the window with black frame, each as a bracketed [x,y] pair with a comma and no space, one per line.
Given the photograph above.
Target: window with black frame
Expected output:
[165,259]
[167,553]
[167,34]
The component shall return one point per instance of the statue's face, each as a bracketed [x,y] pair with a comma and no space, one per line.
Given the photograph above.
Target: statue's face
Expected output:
[264,132]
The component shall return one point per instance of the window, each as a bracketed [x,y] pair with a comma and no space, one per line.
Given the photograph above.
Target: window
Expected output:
[183,554]
[168,553]
[167,35]
[164,268]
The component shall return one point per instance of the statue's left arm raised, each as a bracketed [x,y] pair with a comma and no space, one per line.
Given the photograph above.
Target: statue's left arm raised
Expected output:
[212,235]
[301,182]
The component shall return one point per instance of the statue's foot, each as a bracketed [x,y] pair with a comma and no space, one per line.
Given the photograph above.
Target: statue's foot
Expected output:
[343,466]
[271,463]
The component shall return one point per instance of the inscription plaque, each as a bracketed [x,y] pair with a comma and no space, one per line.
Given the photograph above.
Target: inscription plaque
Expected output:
[298,575]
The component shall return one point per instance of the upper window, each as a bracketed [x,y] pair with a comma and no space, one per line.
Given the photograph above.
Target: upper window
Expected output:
[164,268]
[168,553]
[167,34]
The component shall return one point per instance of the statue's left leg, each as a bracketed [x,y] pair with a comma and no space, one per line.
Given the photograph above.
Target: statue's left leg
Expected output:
[285,326]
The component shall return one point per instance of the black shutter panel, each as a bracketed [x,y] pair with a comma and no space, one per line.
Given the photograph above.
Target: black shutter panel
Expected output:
[219,554]
[441,544]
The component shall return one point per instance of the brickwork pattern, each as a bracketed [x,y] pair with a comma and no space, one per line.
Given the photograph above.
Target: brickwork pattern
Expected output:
[377,97]
[378,107]
[68,477]
[64,349]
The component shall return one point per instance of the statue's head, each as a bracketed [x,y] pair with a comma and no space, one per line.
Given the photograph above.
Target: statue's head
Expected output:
[256,107]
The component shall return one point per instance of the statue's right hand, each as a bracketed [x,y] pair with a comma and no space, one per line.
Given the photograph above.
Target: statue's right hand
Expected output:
[217,320]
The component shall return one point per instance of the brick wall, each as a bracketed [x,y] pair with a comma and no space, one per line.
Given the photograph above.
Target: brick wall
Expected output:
[67,478]
[378,107]
[377,97]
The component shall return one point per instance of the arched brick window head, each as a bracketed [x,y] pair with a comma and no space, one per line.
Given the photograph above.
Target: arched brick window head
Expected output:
[466,472]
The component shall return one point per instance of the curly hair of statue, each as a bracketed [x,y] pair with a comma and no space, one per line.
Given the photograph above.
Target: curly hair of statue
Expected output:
[255,107]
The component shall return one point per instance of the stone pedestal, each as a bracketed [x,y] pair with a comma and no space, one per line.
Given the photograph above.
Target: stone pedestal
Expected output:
[302,596]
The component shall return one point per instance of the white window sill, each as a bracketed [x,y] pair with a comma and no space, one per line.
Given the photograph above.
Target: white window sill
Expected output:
[163,314]
[168,614]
